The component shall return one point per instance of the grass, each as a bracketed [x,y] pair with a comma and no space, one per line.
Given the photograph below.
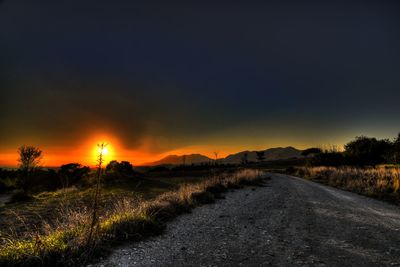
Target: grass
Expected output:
[381,182]
[63,242]
[19,219]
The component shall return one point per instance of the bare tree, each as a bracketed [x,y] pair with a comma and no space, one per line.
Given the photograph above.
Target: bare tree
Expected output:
[29,159]
[216,157]
[95,219]
[184,160]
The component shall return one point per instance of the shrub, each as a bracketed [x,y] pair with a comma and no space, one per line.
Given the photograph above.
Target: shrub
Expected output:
[117,171]
[365,151]
[73,174]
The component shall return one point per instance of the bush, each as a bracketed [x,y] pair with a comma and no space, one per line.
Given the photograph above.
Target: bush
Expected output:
[116,171]
[365,151]
[73,174]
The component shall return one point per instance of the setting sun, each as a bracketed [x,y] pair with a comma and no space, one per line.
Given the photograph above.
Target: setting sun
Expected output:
[103,150]
[279,118]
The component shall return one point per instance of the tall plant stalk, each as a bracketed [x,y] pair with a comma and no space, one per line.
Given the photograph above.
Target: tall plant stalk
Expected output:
[97,193]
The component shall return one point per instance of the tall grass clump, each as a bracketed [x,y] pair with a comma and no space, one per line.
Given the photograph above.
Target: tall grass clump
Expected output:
[65,243]
[379,182]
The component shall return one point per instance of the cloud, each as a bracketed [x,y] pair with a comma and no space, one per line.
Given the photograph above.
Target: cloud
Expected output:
[166,79]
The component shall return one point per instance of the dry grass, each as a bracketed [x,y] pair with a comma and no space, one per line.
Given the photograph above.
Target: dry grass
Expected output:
[63,243]
[381,182]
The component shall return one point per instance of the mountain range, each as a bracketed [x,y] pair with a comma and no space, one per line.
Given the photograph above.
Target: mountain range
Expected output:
[269,154]
[183,159]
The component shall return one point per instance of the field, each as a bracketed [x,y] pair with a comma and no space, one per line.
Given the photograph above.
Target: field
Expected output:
[381,182]
[52,228]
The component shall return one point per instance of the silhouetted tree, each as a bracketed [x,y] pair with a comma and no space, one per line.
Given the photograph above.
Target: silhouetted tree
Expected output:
[29,159]
[216,157]
[72,173]
[327,158]
[119,168]
[116,171]
[260,156]
[367,151]
[126,167]
[395,154]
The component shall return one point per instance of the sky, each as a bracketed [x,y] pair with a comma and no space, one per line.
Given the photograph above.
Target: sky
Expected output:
[153,78]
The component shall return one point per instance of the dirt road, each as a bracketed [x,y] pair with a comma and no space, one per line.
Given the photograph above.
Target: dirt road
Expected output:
[290,222]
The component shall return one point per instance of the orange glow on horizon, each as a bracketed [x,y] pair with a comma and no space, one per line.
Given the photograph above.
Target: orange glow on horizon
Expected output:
[87,153]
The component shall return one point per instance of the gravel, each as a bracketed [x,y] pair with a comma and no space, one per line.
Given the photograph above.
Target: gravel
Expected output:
[289,222]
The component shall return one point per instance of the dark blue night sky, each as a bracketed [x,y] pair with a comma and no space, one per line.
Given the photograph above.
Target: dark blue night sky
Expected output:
[214,75]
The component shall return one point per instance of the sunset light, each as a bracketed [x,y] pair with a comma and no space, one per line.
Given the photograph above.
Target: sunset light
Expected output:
[281,119]
[107,152]
[103,150]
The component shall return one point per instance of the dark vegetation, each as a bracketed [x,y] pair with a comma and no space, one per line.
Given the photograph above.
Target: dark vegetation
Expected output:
[260,156]
[366,166]
[362,151]
[8,180]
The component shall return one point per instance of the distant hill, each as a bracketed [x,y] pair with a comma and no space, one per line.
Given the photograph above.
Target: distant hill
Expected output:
[177,160]
[270,154]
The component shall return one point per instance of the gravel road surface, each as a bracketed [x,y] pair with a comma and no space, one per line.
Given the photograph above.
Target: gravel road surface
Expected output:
[290,222]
